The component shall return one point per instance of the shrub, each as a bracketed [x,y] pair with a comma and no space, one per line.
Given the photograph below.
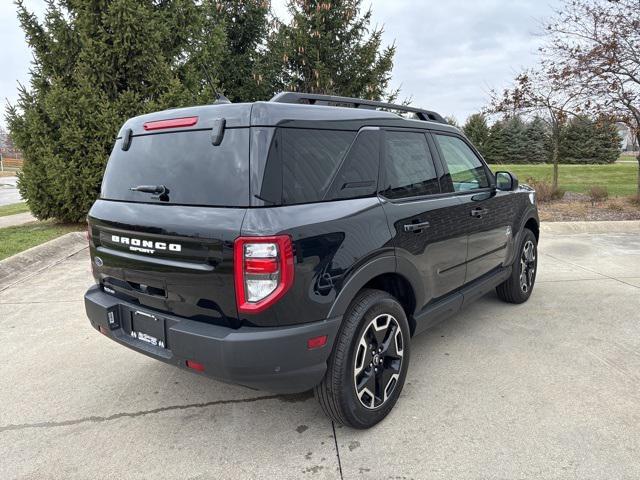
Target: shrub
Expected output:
[616,206]
[597,194]
[544,190]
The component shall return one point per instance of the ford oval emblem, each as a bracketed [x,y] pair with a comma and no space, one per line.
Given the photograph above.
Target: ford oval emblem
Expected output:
[98,261]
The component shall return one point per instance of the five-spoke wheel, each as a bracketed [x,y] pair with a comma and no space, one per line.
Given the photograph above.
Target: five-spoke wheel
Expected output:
[378,361]
[527,266]
[518,287]
[368,366]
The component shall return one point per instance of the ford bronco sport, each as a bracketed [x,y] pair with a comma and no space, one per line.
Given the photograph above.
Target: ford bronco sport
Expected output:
[301,242]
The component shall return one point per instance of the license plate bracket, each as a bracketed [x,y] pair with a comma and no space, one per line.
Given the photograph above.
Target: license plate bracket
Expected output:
[148,328]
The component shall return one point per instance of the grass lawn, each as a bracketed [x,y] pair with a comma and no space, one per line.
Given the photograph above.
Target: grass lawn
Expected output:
[619,178]
[13,209]
[628,157]
[17,239]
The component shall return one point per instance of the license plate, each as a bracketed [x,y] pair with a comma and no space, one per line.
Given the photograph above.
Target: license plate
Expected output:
[148,328]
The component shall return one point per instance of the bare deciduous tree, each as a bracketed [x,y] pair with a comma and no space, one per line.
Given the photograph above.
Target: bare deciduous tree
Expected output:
[596,44]
[537,92]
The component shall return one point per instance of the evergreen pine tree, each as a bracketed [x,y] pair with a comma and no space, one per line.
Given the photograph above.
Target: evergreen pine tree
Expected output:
[247,72]
[96,63]
[537,141]
[514,132]
[576,142]
[453,121]
[496,149]
[327,48]
[585,140]
[608,142]
[477,130]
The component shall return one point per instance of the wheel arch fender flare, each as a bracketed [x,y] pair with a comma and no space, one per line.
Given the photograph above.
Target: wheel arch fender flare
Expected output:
[359,279]
[370,270]
[529,216]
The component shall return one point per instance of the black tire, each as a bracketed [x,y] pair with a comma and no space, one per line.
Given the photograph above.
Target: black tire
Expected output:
[517,289]
[365,320]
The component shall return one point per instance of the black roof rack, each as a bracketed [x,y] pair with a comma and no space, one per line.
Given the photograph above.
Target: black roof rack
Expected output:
[317,99]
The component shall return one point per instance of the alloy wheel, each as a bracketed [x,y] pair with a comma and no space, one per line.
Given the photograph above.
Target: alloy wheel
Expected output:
[378,361]
[527,266]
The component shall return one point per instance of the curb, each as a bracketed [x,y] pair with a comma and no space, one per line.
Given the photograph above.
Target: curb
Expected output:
[569,228]
[26,264]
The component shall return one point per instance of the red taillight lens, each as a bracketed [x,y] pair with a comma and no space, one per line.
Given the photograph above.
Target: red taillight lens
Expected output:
[263,268]
[261,265]
[171,123]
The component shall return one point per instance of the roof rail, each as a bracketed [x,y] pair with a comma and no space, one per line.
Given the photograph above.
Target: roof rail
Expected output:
[317,99]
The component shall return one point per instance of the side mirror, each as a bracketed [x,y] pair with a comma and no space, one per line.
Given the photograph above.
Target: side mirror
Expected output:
[506,181]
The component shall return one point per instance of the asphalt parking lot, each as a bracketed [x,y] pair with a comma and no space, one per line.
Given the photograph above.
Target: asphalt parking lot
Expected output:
[549,389]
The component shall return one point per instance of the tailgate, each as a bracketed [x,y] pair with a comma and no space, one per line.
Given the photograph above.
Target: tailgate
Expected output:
[172,258]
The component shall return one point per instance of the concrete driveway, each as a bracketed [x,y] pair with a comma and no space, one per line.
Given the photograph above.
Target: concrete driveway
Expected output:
[9,191]
[549,389]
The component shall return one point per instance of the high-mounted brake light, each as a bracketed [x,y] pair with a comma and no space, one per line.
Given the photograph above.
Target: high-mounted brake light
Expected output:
[263,270]
[171,123]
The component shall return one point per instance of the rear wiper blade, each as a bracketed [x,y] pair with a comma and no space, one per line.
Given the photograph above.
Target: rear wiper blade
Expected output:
[155,189]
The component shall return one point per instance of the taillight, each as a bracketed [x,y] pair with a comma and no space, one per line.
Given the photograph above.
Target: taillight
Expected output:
[263,269]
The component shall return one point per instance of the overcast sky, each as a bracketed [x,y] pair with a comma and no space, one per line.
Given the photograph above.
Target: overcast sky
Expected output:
[449,53]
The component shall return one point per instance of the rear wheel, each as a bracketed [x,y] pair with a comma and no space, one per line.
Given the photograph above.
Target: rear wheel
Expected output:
[368,366]
[518,287]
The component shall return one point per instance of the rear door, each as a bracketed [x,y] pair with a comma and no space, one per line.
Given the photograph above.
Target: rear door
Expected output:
[420,216]
[486,214]
[173,251]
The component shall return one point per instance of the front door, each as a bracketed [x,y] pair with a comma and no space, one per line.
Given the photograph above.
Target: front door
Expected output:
[485,211]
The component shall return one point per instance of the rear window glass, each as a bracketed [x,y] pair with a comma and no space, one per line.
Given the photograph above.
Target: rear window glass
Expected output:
[193,170]
[358,174]
[409,168]
[302,164]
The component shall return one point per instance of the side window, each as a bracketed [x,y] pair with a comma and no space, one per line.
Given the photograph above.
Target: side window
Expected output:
[310,160]
[465,168]
[409,168]
[358,175]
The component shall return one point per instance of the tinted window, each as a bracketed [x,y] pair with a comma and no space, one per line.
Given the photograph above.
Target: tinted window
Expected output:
[358,174]
[194,171]
[302,164]
[465,168]
[409,169]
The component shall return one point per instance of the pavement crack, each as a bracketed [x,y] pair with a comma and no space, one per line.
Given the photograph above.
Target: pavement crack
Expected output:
[141,413]
[335,440]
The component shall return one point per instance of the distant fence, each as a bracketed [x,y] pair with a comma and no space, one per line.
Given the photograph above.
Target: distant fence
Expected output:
[7,163]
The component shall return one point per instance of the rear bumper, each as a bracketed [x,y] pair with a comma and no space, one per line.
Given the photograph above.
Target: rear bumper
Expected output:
[272,359]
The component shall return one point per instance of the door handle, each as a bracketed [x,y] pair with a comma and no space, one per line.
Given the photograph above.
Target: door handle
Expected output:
[479,212]
[415,227]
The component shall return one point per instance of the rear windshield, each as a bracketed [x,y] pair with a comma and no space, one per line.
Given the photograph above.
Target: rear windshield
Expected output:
[187,164]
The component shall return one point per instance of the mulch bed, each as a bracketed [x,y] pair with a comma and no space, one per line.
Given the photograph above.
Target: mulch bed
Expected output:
[577,207]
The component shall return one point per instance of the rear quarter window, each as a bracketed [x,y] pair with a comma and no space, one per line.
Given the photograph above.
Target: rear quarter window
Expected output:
[310,165]
[187,163]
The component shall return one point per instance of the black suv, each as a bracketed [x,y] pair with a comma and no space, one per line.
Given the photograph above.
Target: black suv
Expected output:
[300,243]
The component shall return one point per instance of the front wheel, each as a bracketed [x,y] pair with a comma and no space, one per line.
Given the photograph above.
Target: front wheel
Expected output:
[518,287]
[368,366]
